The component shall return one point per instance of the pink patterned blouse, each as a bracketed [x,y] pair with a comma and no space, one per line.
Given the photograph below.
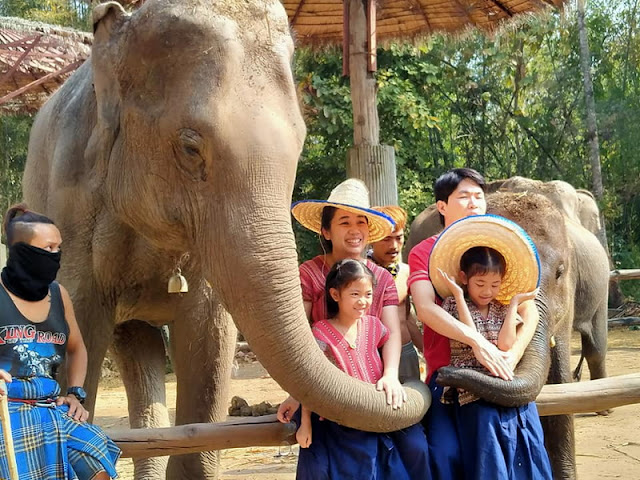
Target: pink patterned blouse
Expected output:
[362,362]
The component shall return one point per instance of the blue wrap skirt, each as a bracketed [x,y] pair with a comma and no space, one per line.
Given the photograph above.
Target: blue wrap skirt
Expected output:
[48,443]
[342,453]
[501,443]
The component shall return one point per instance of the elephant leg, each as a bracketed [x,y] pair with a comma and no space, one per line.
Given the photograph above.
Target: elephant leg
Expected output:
[203,344]
[594,346]
[97,336]
[559,429]
[140,354]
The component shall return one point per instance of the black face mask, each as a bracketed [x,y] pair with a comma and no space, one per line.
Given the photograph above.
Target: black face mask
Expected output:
[29,271]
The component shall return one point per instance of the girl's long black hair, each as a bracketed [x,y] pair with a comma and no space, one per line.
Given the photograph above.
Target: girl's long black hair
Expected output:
[340,276]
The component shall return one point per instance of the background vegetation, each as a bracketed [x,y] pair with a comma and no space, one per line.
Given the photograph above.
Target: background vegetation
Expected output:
[512,104]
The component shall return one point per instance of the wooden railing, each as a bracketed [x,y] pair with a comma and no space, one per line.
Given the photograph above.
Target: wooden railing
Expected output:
[583,397]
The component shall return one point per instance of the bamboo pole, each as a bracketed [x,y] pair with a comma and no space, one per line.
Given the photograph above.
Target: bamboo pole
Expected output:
[6,433]
[201,437]
[587,397]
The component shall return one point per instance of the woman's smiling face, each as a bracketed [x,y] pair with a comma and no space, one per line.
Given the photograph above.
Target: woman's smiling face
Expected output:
[348,234]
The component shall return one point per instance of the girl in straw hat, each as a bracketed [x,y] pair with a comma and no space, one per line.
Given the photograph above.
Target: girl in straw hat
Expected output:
[345,224]
[498,270]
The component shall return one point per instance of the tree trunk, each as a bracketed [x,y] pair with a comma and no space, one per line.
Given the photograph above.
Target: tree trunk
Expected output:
[592,128]
[615,295]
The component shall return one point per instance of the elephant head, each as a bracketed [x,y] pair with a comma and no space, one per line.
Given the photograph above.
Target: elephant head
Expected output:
[545,224]
[195,143]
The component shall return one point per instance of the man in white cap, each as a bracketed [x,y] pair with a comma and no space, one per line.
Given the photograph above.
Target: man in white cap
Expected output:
[388,254]
[459,193]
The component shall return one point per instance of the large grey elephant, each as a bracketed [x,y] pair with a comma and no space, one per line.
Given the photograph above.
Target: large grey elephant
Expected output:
[574,271]
[180,135]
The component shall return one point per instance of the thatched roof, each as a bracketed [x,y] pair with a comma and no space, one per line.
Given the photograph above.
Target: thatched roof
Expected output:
[35,59]
[318,22]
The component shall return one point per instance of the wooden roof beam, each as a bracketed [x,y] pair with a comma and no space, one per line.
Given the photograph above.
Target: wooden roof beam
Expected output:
[297,12]
[416,6]
[46,78]
[465,12]
[502,7]
[15,66]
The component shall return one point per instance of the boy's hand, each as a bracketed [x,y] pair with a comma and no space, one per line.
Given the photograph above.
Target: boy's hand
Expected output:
[303,435]
[523,297]
[455,289]
[395,392]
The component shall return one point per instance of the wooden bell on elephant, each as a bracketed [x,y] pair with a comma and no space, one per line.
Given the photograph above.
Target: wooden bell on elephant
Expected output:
[177,282]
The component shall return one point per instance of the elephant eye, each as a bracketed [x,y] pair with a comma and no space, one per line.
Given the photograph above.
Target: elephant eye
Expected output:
[559,271]
[188,147]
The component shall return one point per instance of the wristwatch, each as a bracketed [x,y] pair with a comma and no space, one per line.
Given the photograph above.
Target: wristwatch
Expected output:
[77,392]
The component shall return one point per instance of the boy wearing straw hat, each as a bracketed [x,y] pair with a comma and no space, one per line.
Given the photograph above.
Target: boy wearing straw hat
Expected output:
[388,254]
[459,193]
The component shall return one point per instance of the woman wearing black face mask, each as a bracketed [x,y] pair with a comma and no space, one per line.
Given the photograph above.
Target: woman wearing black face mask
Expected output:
[38,329]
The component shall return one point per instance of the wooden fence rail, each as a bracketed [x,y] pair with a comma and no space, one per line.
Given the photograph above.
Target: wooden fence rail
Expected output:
[582,397]
[625,274]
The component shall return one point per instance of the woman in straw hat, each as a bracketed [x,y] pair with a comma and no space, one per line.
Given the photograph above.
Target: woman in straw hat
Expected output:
[345,224]
[485,267]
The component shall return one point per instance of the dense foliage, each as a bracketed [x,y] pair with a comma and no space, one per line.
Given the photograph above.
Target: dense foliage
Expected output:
[508,104]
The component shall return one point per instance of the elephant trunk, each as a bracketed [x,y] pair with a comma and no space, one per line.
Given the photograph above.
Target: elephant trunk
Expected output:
[530,374]
[261,290]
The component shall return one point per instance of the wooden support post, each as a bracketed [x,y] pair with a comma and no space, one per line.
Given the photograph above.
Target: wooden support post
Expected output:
[588,397]
[375,165]
[372,56]
[372,163]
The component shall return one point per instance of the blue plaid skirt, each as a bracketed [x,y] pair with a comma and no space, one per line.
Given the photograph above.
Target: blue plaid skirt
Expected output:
[50,445]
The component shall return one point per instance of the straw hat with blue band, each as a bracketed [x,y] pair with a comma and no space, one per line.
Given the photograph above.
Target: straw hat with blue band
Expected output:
[521,256]
[351,195]
[397,214]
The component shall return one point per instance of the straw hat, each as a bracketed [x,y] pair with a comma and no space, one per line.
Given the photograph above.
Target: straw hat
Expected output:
[351,195]
[523,265]
[397,214]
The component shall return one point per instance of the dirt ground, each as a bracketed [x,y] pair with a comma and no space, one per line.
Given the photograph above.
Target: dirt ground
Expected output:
[606,447]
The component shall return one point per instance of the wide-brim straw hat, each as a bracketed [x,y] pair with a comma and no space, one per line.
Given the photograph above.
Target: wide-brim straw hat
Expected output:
[521,256]
[351,195]
[397,214]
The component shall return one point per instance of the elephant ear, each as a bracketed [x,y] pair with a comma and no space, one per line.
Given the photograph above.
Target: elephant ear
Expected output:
[110,23]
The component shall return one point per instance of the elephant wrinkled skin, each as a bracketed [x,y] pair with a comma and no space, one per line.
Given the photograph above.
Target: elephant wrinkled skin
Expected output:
[181,135]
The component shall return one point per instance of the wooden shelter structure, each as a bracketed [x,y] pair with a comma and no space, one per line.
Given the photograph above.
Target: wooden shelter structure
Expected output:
[358,25]
[35,59]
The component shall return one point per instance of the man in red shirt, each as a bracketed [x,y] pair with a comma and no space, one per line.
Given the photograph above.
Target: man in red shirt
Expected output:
[459,193]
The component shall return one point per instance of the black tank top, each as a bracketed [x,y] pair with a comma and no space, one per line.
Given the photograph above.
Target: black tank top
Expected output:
[30,349]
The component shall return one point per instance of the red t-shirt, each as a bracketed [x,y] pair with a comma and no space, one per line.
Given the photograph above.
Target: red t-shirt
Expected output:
[362,362]
[437,352]
[313,277]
